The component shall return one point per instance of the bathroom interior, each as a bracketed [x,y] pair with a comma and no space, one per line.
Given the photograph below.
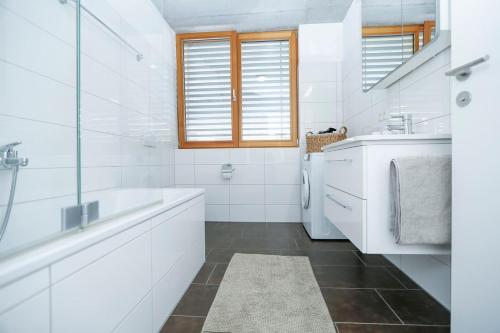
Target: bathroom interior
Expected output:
[249,166]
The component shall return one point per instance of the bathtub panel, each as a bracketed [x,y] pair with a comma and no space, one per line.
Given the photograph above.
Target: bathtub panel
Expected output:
[17,292]
[72,264]
[105,291]
[169,290]
[140,319]
[169,243]
[35,309]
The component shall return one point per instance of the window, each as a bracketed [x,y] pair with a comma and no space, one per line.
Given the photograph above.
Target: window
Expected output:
[237,90]
[385,48]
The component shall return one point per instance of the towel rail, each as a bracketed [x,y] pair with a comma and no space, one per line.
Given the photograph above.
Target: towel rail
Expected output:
[139,56]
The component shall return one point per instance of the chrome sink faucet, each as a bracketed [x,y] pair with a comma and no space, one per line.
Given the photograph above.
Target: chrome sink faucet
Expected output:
[406,125]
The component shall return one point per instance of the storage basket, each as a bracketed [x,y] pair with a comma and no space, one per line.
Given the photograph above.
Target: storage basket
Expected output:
[316,141]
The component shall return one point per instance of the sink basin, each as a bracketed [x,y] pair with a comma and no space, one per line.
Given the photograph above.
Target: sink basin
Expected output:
[389,139]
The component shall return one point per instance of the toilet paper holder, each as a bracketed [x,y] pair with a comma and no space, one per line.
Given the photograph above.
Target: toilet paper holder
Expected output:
[227,170]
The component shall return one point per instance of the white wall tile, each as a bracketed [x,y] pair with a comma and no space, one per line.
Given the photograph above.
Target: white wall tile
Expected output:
[283,213]
[319,112]
[248,174]
[216,194]
[209,174]
[37,184]
[217,213]
[247,194]
[317,71]
[184,174]
[283,194]
[34,220]
[50,100]
[184,156]
[247,156]
[247,213]
[282,155]
[318,92]
[283,174]
[211,156]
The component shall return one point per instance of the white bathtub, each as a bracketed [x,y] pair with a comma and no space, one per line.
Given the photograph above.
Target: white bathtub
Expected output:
[124,274]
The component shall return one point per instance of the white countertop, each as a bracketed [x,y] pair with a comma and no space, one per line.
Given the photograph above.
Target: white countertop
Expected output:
[389,139]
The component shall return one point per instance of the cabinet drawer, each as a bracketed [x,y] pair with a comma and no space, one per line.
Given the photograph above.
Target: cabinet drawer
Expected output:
[348,214]
[344,170]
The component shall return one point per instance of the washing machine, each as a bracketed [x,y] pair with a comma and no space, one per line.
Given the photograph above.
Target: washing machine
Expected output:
[313,218]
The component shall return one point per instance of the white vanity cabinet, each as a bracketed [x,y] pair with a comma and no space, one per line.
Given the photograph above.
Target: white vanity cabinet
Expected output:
[357,188]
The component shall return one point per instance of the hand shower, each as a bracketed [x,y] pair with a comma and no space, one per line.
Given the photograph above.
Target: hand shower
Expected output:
[10,161]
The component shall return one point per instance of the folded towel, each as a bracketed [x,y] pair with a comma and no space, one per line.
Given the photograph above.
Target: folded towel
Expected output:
[421,199]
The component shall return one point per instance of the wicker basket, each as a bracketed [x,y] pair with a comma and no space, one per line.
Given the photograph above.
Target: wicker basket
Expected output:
[316,141]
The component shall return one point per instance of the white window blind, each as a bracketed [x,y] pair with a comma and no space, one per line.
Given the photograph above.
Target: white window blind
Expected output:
[382,54]
[207,90]
[265,89]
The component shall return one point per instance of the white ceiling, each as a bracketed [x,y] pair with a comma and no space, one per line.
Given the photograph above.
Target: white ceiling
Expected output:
[249,15]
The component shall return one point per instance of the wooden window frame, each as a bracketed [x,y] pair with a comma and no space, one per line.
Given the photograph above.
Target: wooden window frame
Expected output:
[414,29]
[181,114]
[291,36]
[236,106]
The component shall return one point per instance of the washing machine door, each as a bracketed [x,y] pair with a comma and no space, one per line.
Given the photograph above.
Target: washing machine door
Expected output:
[306,189]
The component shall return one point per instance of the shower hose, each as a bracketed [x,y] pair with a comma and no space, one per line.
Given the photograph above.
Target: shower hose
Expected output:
[6,217]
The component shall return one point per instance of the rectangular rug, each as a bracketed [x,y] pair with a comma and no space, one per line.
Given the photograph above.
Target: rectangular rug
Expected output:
[268,293]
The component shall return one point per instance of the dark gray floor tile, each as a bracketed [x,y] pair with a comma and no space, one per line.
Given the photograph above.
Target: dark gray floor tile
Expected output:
[224,255]
[179,324]
[272,230]
[403,278]
[217,274]
[196,301]
[416,307]
[264,243]
[325,245]
[218,242]
[361,328]
[355,277]
[358,305]
[374,259]
[346,258]
[204,273]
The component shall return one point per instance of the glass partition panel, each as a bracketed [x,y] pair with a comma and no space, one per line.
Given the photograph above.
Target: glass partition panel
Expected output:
[38,129]
[122,142]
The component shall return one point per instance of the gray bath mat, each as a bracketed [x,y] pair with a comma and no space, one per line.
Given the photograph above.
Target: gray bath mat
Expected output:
[267,294]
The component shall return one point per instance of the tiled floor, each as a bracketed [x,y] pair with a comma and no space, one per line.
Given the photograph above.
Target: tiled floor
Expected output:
[364,293]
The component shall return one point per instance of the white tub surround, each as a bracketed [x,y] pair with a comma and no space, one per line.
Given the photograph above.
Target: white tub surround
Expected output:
[123,275]
[265,183]
[357,191]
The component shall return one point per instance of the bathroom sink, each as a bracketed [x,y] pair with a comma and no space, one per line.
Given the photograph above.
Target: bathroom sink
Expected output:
[390,139]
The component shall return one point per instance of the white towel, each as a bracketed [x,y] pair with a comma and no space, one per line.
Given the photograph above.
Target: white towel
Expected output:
[421,199]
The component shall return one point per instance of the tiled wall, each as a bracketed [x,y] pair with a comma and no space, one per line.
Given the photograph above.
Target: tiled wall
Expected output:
[266,182]
[125,105]
[320,77]
[265,186]
[424,93]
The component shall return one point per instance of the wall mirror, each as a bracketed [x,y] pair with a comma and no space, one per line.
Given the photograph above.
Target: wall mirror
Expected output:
[393,32]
